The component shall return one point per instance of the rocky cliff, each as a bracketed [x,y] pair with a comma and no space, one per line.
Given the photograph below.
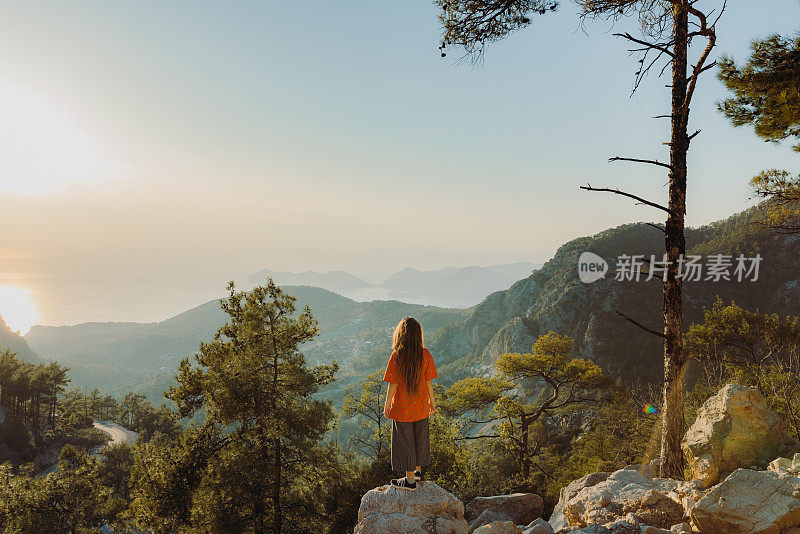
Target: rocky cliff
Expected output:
[553,298]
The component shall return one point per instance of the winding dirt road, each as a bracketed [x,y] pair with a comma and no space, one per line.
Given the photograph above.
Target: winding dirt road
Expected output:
[119,434]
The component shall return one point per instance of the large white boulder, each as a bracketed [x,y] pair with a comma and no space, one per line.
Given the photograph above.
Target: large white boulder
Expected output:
[749,502]
[557,520]
[389,510]
[733,429]
[629,497]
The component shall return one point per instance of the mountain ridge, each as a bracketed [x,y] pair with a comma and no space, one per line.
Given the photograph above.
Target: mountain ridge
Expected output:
[450,287]
[143,357]
[553,298]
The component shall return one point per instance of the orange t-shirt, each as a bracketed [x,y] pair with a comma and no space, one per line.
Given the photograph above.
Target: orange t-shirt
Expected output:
[405,407]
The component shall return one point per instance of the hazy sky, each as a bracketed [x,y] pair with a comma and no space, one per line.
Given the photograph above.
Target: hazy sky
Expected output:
[151,151]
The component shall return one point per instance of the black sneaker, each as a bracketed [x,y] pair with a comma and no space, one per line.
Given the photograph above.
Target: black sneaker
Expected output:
[403,483]
[417,475]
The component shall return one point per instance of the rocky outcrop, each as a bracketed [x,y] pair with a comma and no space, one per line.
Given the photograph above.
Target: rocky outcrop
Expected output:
[537,526]
[749,502]
[514,336]
[625,501]
[622,527]
[519,508]
[733,429]
[785,466]
[570,424]
[388,510]
[499,527]
[557,519]
[648,470]
[472,334]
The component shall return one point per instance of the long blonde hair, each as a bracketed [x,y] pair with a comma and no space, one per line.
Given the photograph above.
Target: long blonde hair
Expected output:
[407,341]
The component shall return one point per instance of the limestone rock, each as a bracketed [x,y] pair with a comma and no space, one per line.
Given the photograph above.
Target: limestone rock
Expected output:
[519,508]
[498,527]
[624,527]
[733,429]
[557,520]
[785,466]
[751,502]
[649,470]
[538,526]
[627,496]
[513,334]
[388,510]
[621,527]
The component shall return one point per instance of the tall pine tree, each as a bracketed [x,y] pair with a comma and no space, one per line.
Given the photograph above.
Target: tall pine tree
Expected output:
[253,382]
[668,29]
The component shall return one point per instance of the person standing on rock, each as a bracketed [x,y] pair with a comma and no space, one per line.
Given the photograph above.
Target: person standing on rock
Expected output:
[409,402]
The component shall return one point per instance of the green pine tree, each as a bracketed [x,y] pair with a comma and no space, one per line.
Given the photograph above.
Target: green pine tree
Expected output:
[257,471]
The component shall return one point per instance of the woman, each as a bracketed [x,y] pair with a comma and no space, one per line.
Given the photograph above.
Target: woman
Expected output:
[409,402]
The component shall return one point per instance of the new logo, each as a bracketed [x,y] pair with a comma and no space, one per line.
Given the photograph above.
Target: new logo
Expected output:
[591,267]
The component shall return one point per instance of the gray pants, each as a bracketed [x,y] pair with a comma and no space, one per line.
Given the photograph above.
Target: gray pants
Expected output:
[411,445]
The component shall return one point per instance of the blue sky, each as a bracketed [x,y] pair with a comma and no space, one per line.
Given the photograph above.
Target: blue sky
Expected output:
[224,138]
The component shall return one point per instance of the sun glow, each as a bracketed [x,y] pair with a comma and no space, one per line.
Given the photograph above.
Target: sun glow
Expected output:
[17,308]
[41,148]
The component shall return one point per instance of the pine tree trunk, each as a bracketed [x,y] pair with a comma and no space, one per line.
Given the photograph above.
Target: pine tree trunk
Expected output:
[276,490]
[526,463]
[671,464]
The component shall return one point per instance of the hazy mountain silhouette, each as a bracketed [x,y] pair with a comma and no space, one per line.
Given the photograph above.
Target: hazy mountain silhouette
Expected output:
[143,357]
[452,287]
[336,281]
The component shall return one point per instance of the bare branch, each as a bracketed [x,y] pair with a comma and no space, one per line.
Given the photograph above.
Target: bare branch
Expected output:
[478,437]
[707,67]
[636,160]
[655,46]
[640,325]
[662,230]
[588,187]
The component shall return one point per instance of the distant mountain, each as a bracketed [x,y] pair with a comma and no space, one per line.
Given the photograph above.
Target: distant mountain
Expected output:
[336,281]
[553,298]
[143,357]
[452,287]
[457,287]
[515,271]
[12,340]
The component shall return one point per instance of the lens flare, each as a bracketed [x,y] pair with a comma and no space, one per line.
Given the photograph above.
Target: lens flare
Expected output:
[650,409]
[17,309]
